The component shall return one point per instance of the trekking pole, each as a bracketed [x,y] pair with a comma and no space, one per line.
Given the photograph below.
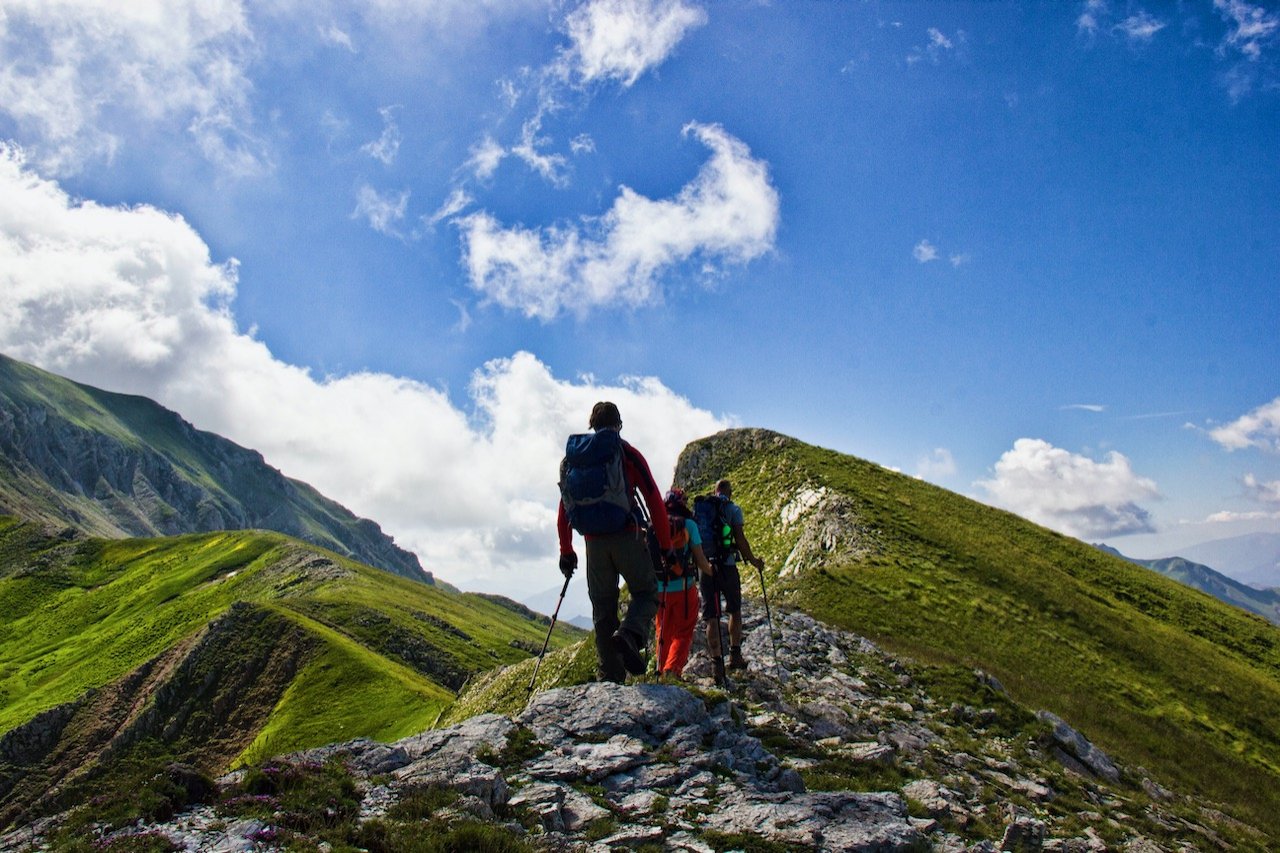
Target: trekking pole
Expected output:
[547,641]
[721,640]
[777,665]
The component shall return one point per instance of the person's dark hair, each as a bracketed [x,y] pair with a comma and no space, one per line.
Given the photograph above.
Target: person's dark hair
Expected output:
[605,414]
[724,487]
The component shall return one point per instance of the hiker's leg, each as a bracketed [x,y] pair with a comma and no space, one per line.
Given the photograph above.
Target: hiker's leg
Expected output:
[710,613]
[735,630]
[683,618]
[602,589]
[636,567]
[663,630]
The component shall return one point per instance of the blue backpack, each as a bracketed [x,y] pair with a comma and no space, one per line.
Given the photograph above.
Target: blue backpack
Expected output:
[711,514]
[593,484]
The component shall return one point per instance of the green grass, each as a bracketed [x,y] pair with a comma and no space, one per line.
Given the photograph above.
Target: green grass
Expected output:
[1157,674]
[377,648]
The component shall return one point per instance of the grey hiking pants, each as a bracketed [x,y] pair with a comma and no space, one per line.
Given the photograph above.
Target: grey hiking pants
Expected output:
[624,555]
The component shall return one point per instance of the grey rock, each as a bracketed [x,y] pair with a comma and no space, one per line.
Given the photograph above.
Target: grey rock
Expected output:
[1079,746]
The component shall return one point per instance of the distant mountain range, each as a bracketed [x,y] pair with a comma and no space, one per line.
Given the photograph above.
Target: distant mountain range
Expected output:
[1264,602]
[118,465]
[1253,559]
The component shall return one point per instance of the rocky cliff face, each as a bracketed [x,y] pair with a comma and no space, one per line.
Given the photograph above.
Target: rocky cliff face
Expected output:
[125,466]
[830,745]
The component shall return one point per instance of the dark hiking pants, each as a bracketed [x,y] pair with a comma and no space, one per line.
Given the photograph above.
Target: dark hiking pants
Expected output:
[624,555]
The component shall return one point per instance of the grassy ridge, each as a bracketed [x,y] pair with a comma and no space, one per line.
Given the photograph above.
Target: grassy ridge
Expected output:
[81,614]
[1158,674]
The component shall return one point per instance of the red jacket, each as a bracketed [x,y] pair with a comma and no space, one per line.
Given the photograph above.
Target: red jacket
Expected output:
[637,473]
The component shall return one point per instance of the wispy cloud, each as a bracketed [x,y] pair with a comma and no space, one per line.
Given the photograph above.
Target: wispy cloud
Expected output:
[385,148]
[1259,429]
[1141,26]
[937,465]
[727,214]
[382,212]
[458,201]
[335,35]
[937,45]
[1261,491]
[1085,407]
[1071,493]
[1253,28]
[924,252]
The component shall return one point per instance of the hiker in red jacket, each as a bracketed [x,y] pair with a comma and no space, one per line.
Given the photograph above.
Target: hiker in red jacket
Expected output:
[613,527]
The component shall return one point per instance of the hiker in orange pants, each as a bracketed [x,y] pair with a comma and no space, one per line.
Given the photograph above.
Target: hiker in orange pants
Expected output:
[678,589]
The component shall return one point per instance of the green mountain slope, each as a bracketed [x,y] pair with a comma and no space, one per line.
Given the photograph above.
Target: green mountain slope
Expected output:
[120,465]
[1264,602]
[1155,673]
[224,646]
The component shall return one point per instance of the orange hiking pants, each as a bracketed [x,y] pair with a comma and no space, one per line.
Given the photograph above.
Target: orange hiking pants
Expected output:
[677,617]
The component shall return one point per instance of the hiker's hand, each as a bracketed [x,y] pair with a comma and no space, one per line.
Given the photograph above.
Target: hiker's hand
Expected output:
[758,563]
[568,562]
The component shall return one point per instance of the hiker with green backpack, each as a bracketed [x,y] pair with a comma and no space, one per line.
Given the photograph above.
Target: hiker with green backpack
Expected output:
[721,522]
[605,488]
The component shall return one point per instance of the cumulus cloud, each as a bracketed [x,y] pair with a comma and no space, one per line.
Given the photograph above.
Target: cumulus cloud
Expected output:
[76,75]
[727,213]
[486,157]
[619,40]
[382,212]
[1070,493]
[129,299]
[1259,428]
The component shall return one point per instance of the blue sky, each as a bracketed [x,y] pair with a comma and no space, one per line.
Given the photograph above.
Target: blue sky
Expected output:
[1029,252]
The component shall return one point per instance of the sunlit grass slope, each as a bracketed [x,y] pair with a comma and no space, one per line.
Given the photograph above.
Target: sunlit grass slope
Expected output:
[1159,675]
[387,653]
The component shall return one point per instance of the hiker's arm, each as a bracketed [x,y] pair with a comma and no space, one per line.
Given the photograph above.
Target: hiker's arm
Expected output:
[700,559]
[744,547]
[644,482]
[564,531]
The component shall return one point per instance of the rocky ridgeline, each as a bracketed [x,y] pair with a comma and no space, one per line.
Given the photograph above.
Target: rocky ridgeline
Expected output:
[834,745]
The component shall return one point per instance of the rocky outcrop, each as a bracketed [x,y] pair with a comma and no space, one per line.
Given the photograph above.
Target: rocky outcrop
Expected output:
[826,743]
[124,466]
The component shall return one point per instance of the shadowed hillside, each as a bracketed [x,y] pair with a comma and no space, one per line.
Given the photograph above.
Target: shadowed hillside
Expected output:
[1157,674]
[121,465]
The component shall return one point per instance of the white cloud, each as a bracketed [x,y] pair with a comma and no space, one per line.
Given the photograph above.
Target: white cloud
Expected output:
[582,144]
[129,299]
[1228,516]
[938,465]
[550,166]
[960,259]
[1085,407]
[1253,27]
[1141,26]
[924,252]
[729,212]
[620,40]
[486,156]
[76,76]
[335,35]
[458,201]
[1259,428]
[939,44]
[385,148]
[1070,493]
[1089,19]
[382,212]
[1258,490]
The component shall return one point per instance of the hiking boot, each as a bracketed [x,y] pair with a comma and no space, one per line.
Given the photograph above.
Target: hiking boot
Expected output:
[718,665]
[628,647]
[736,660]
